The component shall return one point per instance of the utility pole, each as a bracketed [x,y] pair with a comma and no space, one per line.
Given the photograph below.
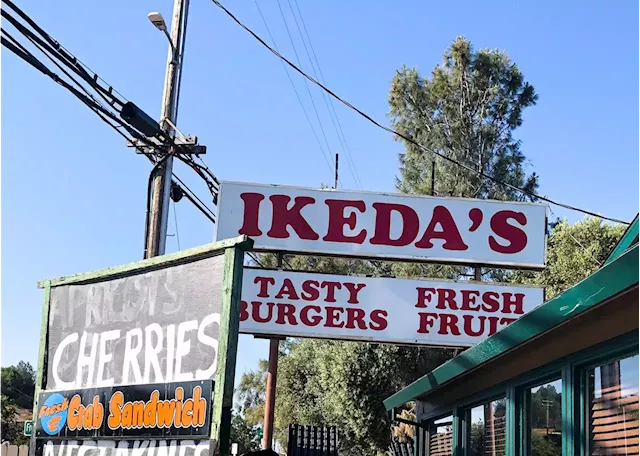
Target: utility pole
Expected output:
[548,404]
[158,215]
[335,182]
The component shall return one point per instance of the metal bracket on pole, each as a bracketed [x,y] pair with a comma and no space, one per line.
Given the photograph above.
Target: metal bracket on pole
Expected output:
[187,145]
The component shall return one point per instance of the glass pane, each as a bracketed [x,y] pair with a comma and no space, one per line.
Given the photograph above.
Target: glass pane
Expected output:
[441,437]
[545,419]
[487,429]
[613,408]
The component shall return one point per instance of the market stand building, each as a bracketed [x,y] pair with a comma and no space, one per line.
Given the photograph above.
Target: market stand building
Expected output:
[564,377]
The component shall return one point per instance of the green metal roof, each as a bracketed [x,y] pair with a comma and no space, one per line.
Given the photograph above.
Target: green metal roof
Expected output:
[629,238]
[614,277]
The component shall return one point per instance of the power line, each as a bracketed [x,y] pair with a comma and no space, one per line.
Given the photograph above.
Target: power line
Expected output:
[7,41]
[306,84]
[62,58]
[327,100]
[406,138]
[286,70]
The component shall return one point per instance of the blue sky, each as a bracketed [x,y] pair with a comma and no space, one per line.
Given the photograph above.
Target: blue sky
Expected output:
[73,196]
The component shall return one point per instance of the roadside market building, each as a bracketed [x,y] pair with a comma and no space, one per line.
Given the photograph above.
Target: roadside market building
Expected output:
[563,379]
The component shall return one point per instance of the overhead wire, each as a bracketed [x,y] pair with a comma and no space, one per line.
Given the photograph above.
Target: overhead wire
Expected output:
[62,54]
[20,51]
[66,73]
[304,109]
[62,58]
[313,103]
[328,101]
[405,137]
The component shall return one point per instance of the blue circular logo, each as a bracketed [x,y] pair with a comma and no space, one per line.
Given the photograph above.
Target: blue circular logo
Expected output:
[55,416]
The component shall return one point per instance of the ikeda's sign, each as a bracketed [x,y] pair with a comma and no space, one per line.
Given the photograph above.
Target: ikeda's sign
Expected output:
[387,310]
[446,230]
[176,410]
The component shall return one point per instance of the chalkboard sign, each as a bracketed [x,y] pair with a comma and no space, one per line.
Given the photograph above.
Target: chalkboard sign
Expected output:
[161,331]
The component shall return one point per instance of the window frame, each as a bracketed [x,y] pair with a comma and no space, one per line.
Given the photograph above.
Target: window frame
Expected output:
[428,431]
[572,370]
[583,398]
[523,409]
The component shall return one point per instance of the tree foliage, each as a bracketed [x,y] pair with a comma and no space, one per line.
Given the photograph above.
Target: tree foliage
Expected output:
[343,384]
[467,110]
[244,434]
[18,384]
[574,251]
[11,431]
[251,393]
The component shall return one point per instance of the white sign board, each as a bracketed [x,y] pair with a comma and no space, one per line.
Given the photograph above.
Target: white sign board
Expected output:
[387,310]
[394,226]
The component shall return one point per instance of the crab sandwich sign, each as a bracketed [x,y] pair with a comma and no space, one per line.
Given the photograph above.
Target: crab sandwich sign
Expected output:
[142,356]
[386,310]
[393,226]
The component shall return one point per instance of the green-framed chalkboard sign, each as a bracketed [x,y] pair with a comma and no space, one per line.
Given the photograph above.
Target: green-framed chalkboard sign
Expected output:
[171,319]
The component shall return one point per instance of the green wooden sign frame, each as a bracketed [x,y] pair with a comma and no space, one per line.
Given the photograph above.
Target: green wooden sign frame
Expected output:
[233,251]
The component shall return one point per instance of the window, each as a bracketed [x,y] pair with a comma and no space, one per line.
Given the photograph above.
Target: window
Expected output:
[440,437]
[612,412]
[487,429]
[544,419]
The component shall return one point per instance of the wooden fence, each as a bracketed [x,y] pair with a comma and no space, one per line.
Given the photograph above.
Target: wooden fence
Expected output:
[14,450]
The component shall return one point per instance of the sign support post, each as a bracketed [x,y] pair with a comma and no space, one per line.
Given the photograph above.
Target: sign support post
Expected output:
[272,378]
[270,400]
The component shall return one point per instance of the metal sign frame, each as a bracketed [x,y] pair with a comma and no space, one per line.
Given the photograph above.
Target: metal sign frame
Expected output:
[233,251]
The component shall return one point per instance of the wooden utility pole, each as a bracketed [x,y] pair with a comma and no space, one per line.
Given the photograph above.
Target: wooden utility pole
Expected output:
[158,215]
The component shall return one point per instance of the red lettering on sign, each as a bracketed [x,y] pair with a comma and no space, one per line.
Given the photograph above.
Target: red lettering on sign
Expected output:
[286,311]
[251,211]
[493,325]
[490,301]
[355,315]
[331,290]
[283,217]
[468,327]
[379,320]
[310,290]
[255,312]
[353,289]
[446,297]
[424,294]
[382,232]
[512,300]
[517,238]
[244,315]
[468,300]
[333,317]
[264,285]
[287,289]
[449,325]
[449,232]
[337,221]
[313,321]
[427,320]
